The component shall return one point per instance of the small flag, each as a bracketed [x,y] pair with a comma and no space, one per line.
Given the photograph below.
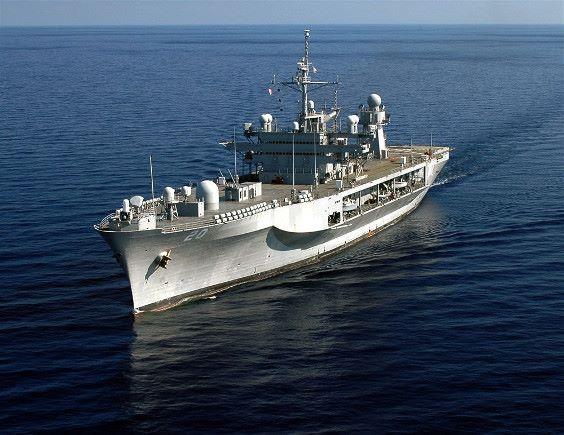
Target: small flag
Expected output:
[269,91]
[314,69]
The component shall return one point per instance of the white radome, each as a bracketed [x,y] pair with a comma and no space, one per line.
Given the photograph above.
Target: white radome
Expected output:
[374,100]
[125,205]
[136,201]
[208,192]
[353,119]
[168,195]
[265,118]
[186,190]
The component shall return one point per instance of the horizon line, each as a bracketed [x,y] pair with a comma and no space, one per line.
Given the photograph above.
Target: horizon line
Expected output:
[278,25]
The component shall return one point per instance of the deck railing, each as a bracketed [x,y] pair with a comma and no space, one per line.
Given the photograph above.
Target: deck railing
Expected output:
[173,228]
[105,222]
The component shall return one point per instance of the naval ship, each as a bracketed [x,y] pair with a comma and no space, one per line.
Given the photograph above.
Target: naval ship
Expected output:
[306,191]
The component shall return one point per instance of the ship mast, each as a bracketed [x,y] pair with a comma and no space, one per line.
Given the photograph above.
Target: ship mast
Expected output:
[302,81]
[303,68]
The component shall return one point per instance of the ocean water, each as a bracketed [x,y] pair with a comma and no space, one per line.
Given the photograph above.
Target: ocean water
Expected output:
[451,320]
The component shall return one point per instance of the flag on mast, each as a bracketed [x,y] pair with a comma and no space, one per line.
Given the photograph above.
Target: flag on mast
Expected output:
[269,91]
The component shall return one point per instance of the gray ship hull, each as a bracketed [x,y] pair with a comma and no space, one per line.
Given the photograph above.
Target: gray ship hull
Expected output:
[208,260]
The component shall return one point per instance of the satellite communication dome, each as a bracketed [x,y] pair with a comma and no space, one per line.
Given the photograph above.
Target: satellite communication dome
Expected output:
[265,118]
[168,195]
[353,119]
[310,104]
[208,191]
[136,201]
[374,100]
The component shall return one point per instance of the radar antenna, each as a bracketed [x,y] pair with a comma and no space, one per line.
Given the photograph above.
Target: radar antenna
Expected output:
[301,82]
[152,183]
[335,106]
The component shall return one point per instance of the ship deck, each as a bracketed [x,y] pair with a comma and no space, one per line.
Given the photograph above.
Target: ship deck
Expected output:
[373,170]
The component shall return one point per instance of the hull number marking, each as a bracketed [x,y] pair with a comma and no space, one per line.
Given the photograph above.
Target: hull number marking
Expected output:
[195,235]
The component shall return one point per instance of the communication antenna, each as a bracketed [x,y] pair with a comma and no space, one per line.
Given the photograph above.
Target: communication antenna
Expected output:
[335,105]
[315,158]
[231,175]
[152,183]
[303,83]
[276,88]
[293,162]
[235,149]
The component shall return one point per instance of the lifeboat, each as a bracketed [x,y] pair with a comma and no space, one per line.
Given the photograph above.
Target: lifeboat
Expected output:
[349,205]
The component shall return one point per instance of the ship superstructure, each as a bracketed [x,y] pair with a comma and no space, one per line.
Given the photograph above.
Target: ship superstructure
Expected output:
[308,191]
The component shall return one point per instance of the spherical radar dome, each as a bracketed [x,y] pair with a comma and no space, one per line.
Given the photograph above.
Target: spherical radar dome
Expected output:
[374,100]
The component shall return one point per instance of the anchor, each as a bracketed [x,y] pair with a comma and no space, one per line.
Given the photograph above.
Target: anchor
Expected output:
[163,258]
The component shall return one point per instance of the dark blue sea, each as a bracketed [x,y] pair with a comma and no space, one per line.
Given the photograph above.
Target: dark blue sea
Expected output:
[451,320]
